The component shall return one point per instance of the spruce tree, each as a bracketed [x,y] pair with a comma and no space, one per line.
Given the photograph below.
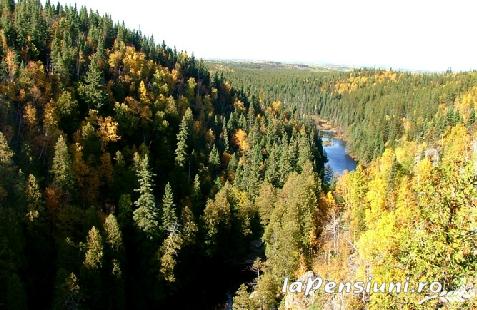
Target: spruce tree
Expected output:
[91,89]
[113,233]
[182,138]
[61,167]
[196,186]
[214,158]
[68,293]
[225,135]
[93,258]
[169,217]
[146,215]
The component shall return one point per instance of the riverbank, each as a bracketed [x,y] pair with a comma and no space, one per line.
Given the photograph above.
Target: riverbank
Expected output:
[334,131]
[326,125]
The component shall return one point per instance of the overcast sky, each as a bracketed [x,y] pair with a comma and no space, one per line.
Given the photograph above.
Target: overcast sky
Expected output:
[403,34]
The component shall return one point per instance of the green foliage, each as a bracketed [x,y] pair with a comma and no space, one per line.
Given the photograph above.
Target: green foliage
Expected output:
[242,300]
[5,153]
[91,89]
[291,232]
[214,158]
[34,199]
[146,215]
[113,233]
[182,138]
[68,291]
[169,217]
[82,97]
[61,167]
[93,258]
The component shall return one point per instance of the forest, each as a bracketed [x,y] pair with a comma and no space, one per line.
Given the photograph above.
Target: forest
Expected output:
[130,174]
[409,209]
[136,176]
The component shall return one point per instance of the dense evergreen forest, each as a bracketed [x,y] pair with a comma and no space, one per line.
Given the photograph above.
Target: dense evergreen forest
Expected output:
[132,178]
[375,108]
[409,209]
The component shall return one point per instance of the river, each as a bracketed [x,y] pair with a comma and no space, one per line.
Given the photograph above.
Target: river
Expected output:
[338,158]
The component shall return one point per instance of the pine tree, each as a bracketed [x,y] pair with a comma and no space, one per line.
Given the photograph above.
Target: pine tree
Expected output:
[61,167]
[196,186]
[214,158]
[34,199]
[146,215]
[225,135]
[284,161]
[169,217]
[68,292]
[92,88]
[272,174]
[113,233]
[304,152]
[93,258]
[182,138]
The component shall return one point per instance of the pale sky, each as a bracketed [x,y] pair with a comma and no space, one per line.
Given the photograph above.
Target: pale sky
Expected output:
[402,34]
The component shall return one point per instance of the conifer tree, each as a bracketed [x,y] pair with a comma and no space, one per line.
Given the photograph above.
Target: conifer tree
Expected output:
[68,292]
[214,158]
[225,135]
[93,258]
[146,215]
[182,138]
[113,233]
[92,88]
[61,167]
[242,300]
[169,217]
[34,199]
[196,186]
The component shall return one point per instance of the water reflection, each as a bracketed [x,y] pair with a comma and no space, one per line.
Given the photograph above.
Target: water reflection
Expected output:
[338,158]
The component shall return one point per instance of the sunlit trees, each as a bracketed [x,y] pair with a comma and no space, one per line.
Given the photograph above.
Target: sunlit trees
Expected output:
[93,258]
[5,153]
[34,199]
[91,89]
[113,233]
[169,217]
[182,139]
[61,167]
[146,215]
[91,111]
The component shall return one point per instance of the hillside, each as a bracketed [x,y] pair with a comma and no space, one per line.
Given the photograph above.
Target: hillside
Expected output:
[129,173]
[408,211]
[135,176]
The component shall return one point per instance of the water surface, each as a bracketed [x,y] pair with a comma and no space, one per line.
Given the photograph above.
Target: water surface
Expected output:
[338,159]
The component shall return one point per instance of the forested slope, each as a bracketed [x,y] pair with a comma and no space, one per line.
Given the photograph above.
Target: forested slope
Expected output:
[130,175]
[373,107]
[409,210]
